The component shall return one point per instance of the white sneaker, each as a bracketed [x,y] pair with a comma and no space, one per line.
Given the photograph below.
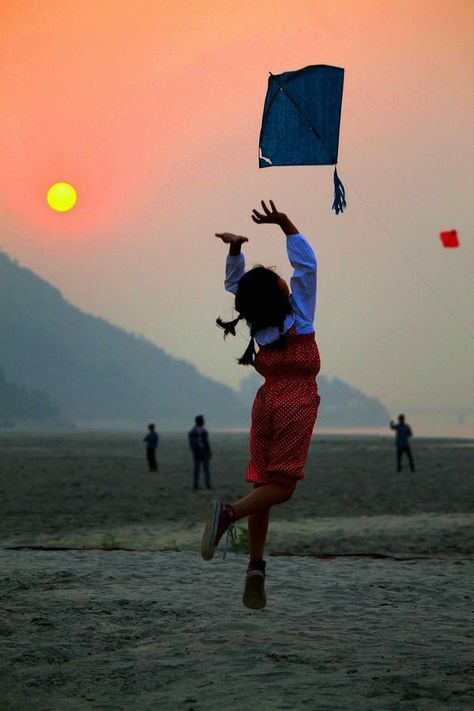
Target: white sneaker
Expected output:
[254,595]
[220,518]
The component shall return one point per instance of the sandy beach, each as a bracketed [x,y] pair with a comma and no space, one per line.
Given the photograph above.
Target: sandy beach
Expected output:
[369,580]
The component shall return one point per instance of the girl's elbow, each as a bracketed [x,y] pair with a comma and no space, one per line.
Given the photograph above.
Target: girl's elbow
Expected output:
[310,264]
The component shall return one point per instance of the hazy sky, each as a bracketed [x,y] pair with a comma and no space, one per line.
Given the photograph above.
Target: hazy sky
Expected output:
[152,111]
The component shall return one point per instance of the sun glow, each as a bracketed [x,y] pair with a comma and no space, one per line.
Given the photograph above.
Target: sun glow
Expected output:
[61,197]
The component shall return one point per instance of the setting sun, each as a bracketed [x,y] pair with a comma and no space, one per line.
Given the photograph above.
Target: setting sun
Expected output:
[61,197]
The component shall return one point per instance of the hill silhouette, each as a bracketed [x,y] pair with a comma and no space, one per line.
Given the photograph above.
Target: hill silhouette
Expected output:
[94,372]
[91,372]
[21,404]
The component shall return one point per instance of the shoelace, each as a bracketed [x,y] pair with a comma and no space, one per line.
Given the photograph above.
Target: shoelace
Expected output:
[230,536]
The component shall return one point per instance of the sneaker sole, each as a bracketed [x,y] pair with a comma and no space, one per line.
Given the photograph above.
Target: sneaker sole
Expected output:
[209,536]
[254,596]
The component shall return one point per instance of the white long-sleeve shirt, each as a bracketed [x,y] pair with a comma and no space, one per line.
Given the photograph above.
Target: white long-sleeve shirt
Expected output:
[302,287]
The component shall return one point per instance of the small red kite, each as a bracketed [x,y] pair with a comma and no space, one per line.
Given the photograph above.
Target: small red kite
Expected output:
[449,239]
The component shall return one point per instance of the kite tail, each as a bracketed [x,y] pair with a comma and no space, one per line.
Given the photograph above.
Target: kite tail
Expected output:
[339,194]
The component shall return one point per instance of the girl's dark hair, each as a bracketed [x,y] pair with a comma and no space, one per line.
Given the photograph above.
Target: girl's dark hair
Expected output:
[262,302]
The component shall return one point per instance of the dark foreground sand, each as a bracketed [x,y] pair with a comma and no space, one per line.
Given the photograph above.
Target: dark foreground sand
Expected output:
[160,629]
[123,630]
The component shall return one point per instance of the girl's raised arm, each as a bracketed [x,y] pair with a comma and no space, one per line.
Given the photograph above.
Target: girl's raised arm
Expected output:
[235,262]
[303,283]
[302,259]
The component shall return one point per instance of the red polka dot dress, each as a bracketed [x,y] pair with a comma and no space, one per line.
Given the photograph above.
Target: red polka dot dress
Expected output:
[286,406]
[284,410]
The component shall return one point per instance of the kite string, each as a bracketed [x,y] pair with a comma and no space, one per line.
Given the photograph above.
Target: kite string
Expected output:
[405,255]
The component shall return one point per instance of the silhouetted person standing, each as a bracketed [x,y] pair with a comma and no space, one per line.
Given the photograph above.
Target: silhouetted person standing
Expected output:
[199,443]
[402,441]
[151,439]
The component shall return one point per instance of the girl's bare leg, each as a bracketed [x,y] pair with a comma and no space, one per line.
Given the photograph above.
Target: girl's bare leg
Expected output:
[258,527]
[261,498]
[257,506]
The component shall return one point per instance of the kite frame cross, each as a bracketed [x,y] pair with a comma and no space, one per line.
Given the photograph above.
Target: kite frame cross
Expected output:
[282,87]
[332,79]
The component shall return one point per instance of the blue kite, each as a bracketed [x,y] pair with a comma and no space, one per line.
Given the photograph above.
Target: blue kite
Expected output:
[301,120]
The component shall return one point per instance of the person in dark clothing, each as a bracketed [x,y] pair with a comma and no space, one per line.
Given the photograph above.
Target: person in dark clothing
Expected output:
[199,443]
[151,439]
[402,442]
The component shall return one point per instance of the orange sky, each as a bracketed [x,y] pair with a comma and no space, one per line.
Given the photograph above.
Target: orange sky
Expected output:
[152,111]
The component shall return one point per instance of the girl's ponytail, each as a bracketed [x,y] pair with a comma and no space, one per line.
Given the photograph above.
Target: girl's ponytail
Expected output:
[248,358]
[228,326]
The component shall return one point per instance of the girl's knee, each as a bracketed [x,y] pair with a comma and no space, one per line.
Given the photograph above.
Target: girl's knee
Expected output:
[286,492]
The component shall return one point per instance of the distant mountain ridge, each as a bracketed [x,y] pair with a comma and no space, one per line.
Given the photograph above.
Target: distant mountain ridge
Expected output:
[96,372]
[21,404]
[91,372]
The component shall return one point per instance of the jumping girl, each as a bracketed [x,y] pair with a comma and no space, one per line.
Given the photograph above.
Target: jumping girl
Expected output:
[286,406]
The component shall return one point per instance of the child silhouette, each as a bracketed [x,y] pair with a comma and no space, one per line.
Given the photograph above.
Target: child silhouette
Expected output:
[286,406]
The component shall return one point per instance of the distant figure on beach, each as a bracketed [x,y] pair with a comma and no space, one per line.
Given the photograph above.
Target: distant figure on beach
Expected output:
[286,405]
[151,439]
[402,442]
[199,442]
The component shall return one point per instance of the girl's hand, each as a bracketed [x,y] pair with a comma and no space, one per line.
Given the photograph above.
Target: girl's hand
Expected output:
[229,238]
[274,217]
[235,242]
[271,217]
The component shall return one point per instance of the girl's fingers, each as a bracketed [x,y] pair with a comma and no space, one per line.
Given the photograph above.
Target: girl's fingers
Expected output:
[224,236]
[265,208]
[229,237]
[273,206]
